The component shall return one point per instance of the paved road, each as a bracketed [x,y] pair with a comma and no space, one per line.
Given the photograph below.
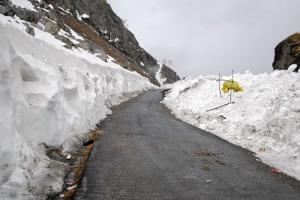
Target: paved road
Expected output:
[147,154]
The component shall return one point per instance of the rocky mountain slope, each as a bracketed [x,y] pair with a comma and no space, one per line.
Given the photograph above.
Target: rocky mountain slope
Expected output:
[287,53]
[103,32]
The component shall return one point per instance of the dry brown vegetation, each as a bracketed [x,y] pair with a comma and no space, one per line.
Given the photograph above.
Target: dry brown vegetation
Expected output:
[295,38]
[79,169]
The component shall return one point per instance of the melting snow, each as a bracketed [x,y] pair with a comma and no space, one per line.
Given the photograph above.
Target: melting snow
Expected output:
[265,118]
[85,16]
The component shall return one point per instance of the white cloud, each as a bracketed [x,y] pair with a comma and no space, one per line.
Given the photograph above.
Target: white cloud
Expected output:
[205,37]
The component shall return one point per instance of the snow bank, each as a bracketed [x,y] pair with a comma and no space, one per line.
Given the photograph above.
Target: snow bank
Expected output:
[264,119]
[50,95]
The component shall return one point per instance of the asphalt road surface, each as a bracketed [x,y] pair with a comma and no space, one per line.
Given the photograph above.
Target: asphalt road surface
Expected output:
[146,154]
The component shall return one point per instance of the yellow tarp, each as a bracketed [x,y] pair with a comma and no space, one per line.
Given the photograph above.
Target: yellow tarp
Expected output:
[232,85]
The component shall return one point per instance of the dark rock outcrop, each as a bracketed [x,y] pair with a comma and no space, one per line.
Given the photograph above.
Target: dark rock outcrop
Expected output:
[287,53]
[169,74]
[112,29]
[30,31]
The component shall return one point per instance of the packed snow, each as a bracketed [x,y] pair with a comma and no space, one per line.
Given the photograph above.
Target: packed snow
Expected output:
[85,16]
[265,118]
[49,95]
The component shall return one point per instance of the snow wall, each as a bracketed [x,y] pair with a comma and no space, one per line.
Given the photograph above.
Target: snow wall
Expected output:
[49,95]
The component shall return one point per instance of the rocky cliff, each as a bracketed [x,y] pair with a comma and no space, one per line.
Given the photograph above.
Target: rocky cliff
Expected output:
[287,53]
[103,32]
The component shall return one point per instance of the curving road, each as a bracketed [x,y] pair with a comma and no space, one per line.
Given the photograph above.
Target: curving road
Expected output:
[147,154]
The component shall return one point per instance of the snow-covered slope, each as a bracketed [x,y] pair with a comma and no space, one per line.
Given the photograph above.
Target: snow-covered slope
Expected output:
[49,95]
[264,119]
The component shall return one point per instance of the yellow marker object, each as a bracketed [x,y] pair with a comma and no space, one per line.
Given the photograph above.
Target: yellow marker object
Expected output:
[232,85]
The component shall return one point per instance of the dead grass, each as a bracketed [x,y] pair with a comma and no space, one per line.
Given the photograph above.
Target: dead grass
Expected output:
[205,168]
[79,169]
[89,33]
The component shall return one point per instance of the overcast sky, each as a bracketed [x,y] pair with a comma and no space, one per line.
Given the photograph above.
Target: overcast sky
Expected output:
[211,36]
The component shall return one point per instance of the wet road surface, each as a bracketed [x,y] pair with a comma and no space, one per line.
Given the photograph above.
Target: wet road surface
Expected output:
[147,154]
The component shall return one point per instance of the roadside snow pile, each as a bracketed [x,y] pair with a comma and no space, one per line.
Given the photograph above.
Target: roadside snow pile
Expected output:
[264,119]
[49,95]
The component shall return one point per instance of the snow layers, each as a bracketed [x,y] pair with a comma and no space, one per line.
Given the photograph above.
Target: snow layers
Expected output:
[265,118]
[49,95]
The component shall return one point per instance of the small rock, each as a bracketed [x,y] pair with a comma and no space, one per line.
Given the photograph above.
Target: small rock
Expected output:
[262,149]
[72,187]
[64,39]
[99,125]
[30,31]
[68,156]
[68,46]
[52,15]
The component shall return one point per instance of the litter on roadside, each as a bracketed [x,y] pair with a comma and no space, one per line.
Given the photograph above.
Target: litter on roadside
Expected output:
[275,170]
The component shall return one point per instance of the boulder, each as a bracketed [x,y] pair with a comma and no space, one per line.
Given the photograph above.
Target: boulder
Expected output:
[27,15]
[287,53]
[52,27]
[30,30]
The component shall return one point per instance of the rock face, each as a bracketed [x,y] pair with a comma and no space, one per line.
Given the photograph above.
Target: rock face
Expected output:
[112,29]
[287,53]
[169,74]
